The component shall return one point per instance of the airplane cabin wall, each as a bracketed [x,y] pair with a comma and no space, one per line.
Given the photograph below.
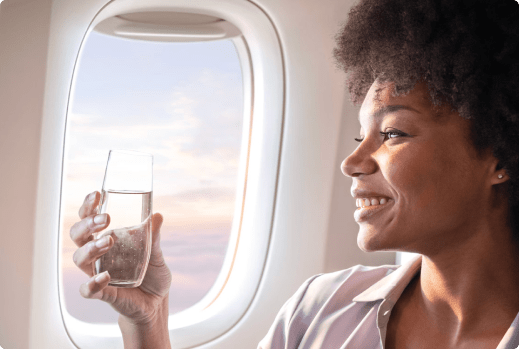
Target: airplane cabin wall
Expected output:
[24,31]
[316,136]
[317,102]
[313,209]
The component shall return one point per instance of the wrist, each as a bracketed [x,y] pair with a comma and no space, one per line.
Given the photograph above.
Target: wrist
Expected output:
[152,333]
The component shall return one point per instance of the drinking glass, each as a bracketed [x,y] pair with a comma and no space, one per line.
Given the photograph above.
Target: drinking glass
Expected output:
[127,197]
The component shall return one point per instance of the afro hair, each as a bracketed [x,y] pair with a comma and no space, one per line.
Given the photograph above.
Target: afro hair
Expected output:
[466,51]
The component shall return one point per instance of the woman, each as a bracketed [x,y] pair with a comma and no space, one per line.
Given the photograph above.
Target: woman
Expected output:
[436,172]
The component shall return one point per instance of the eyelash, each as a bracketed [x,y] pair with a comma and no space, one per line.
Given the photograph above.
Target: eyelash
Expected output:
[386,135]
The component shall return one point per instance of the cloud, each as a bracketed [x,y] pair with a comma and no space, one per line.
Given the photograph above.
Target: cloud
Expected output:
[197,209]
[195,261]
[190,117]
[214,195]
[195,137]
[197,224]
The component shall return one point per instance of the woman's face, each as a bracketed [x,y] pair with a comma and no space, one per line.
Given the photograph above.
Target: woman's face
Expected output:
[418,167]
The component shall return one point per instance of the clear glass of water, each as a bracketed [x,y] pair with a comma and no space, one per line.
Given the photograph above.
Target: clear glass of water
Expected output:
[127,197]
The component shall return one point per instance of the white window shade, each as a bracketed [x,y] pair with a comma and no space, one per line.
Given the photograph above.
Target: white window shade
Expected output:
[168,27]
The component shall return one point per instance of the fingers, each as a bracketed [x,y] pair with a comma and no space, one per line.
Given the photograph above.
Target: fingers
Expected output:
[156,257]
[156,224]
[158,278]
[96,288]
[82,231]
[88,253]
[89,204]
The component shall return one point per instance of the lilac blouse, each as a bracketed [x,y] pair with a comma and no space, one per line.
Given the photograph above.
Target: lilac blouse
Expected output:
[348,309]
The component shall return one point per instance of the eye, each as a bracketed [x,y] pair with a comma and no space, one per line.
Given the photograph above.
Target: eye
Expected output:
[393,134]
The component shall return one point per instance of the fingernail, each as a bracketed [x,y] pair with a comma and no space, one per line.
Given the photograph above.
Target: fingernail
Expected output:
[92,197]
[100,219]
[101,277]
[103,242]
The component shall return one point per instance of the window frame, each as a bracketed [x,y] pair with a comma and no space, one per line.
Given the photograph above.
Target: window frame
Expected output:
[233,292]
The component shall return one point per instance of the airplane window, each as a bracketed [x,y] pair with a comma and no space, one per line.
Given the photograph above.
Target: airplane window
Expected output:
[183,103]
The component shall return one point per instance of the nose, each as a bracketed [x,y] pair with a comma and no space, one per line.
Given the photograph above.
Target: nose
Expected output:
[360,162]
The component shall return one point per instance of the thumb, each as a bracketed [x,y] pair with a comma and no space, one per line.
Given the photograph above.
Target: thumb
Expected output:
[156,257]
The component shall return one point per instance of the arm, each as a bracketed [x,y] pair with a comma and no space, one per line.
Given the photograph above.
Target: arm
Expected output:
[151,335]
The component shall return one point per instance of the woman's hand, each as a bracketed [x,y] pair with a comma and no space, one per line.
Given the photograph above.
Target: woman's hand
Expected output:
[138,306]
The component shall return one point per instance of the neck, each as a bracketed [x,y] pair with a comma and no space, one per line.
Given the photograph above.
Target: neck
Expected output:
[465,287]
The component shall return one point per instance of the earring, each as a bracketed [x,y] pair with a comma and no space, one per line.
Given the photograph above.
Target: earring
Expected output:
[500,176]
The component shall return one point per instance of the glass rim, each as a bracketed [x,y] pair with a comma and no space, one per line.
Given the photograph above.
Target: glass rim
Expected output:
[129,152]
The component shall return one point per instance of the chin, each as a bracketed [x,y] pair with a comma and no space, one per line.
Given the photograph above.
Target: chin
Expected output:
[368,244]
[370,241]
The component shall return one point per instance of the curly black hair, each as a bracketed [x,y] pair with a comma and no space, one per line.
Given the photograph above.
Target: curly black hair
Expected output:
[466,51]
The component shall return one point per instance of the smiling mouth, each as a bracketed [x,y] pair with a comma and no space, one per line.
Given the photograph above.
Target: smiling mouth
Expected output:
[369,207]
[374,201]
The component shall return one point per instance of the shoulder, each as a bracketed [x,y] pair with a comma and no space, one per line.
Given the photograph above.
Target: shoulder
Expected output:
[343,286]
[332,290]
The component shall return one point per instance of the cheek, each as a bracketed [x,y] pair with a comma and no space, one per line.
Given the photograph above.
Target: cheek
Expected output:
[415,175]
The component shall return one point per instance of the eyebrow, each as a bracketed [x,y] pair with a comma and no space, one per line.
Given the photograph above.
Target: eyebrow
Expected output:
[391,109]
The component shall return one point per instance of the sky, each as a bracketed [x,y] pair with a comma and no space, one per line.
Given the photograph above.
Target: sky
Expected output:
[183,103]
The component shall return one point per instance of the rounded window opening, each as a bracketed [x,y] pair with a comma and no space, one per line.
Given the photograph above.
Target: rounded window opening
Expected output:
[180,100]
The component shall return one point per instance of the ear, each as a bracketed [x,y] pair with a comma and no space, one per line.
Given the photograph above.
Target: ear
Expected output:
[498,173]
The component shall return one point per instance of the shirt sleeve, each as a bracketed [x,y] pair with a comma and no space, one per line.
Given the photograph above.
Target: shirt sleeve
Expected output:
[284,332]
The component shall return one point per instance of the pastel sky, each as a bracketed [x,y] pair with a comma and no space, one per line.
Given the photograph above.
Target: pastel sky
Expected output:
[183,103]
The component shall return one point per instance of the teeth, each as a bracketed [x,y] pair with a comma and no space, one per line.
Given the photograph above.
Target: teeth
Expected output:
[371,202]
